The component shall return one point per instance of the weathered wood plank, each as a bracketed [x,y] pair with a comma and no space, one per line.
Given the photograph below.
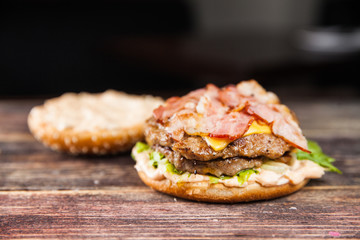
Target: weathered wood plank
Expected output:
[142,213]
[328,118]
[13,115]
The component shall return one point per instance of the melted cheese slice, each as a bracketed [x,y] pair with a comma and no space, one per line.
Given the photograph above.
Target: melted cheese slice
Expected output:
[219,144]
[257,127]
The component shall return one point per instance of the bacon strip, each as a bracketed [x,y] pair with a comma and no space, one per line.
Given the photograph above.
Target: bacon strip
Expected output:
[254,89]
[232,125]
[175,104]
[282,123]
[228,113]
[230,96]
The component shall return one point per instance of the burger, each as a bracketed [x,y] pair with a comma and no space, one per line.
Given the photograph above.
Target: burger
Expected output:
[232,144]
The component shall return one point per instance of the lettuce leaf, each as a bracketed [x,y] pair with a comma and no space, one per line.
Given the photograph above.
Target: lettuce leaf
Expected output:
[171,168]
[224,177]
[317,156]
[140,147]
[244,175]
[213,180]
[155,158]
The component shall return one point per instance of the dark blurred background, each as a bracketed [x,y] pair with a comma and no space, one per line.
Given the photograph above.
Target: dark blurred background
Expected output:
[51,47]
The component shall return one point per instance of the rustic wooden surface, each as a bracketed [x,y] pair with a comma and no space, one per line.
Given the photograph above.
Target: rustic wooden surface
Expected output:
[44,194]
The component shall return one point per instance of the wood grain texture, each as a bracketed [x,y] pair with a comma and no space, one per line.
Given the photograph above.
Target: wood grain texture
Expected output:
[44,194]
[141,213]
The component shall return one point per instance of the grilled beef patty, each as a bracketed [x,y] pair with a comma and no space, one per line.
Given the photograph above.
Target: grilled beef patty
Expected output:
[219,167]
[195,147]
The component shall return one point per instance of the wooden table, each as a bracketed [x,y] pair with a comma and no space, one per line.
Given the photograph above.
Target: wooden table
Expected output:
[44,194]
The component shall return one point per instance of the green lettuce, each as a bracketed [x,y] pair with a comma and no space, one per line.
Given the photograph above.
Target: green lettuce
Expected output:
[140,147]
[244,175]
[213,180]
[171,168]
[155,158]
[317,156]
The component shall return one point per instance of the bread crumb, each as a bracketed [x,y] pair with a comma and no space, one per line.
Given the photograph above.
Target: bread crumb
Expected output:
[73,149]
[67,141]
[55,136]
[106,145]
[95,150]
[85,149]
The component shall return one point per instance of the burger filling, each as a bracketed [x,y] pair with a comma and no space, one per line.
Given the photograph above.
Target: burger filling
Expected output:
[271,173]
[217,167]
[196,148]
[235,136]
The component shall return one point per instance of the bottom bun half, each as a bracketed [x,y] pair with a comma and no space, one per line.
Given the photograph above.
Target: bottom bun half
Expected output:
[218,193]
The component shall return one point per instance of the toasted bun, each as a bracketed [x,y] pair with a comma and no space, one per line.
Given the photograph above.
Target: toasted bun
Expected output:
[218,192]
[84,123]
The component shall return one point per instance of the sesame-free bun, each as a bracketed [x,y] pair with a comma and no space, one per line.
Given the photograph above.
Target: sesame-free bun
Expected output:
[219,193]
[84,123]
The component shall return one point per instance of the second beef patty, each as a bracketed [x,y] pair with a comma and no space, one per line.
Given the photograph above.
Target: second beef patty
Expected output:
[219,167]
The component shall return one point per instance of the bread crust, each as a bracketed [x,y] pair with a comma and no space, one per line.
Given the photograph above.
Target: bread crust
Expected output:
[218,193]
[97,140]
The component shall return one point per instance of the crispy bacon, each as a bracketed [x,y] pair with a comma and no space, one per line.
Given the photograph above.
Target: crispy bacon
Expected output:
[232,125]
[230,96]
[228,113]
[253,89]
[175,104]
[282,123]
[209,104]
